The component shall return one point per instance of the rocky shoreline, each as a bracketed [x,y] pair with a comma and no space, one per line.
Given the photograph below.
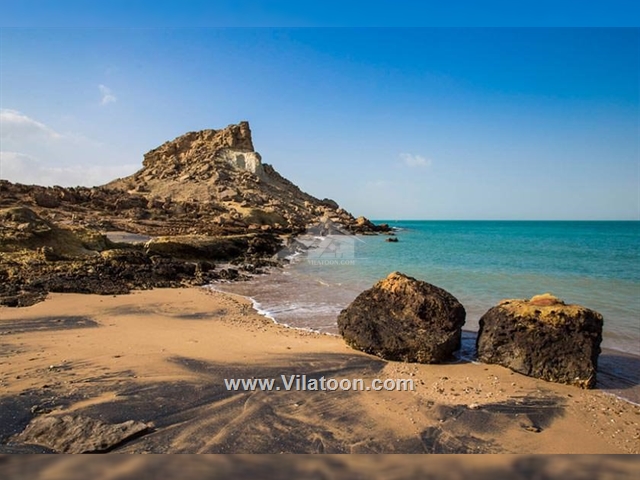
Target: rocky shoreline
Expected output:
[203,198]
[144,373]
[45,258]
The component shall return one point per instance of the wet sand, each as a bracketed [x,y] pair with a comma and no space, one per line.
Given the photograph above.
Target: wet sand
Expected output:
[161,356]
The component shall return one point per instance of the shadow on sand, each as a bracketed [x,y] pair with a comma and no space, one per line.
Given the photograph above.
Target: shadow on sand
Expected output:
[204,416]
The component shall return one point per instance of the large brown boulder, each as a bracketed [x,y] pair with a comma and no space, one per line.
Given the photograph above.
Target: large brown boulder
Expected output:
[543,338]
[404,319]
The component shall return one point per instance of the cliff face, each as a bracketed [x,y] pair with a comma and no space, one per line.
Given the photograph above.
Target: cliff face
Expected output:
[208,182]
[200,148]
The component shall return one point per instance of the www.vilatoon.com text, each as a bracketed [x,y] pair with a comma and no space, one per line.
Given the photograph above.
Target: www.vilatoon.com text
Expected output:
[305,383]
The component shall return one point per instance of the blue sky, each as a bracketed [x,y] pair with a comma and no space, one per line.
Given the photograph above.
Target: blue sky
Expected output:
[324,13]
[444,123]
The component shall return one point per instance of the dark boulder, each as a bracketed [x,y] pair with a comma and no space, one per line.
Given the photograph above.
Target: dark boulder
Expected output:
[404,319]
[543,338]
[264,245]
[392,240]
[332,204]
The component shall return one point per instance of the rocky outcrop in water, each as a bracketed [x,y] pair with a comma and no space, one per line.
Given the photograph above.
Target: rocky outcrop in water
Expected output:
[543,338]
[404,319]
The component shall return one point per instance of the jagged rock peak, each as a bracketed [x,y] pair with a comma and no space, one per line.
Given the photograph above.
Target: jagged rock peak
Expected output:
[199,146]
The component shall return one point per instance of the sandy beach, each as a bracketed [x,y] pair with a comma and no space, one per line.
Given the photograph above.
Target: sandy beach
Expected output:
[387,467]
[161,356]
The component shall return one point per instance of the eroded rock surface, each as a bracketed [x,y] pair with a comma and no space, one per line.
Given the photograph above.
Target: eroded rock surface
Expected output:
[544,338]
[79,434]
[404,319]
[38,257]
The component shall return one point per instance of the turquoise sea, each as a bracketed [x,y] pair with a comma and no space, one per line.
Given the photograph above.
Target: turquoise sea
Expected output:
[592,263]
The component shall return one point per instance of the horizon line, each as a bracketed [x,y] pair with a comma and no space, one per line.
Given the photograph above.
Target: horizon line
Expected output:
[503,220]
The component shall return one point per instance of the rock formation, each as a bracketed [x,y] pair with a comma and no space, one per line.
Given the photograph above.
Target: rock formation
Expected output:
[79,434]
[205,196]
[404,319]
[543,338]
[220,171]
[39,257]
[22,228]
[210,182]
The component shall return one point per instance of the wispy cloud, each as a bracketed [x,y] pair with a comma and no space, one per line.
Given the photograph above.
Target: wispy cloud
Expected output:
[411,160]
[377,183]
[35,153]
[107,95]
[21,132]
[23,168]
[15,125]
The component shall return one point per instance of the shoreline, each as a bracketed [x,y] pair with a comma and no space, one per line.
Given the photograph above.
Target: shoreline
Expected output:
[613,382]
[617,369]
[160,356]
[616,337]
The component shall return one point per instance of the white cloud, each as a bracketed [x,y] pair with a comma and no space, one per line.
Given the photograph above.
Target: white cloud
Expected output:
[415,160]
[15,125]
[107,95]
[377,183]
[34,153]
[22,168]
[19,131]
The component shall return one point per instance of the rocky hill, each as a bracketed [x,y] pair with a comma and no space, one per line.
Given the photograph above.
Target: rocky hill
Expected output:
[219,172]
[205,197]
[209,182]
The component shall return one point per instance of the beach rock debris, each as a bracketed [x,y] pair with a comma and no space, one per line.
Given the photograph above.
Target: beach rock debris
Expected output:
[79,434]
[39,257]
[404,319]
[544,338]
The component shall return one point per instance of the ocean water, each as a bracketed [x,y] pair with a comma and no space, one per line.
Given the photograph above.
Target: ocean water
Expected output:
[595,264]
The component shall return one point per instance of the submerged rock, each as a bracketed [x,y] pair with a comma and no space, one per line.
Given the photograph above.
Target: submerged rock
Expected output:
[543,338]
[404,319]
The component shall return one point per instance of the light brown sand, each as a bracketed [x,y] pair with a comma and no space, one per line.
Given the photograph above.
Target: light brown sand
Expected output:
[161,356]
[339,467]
